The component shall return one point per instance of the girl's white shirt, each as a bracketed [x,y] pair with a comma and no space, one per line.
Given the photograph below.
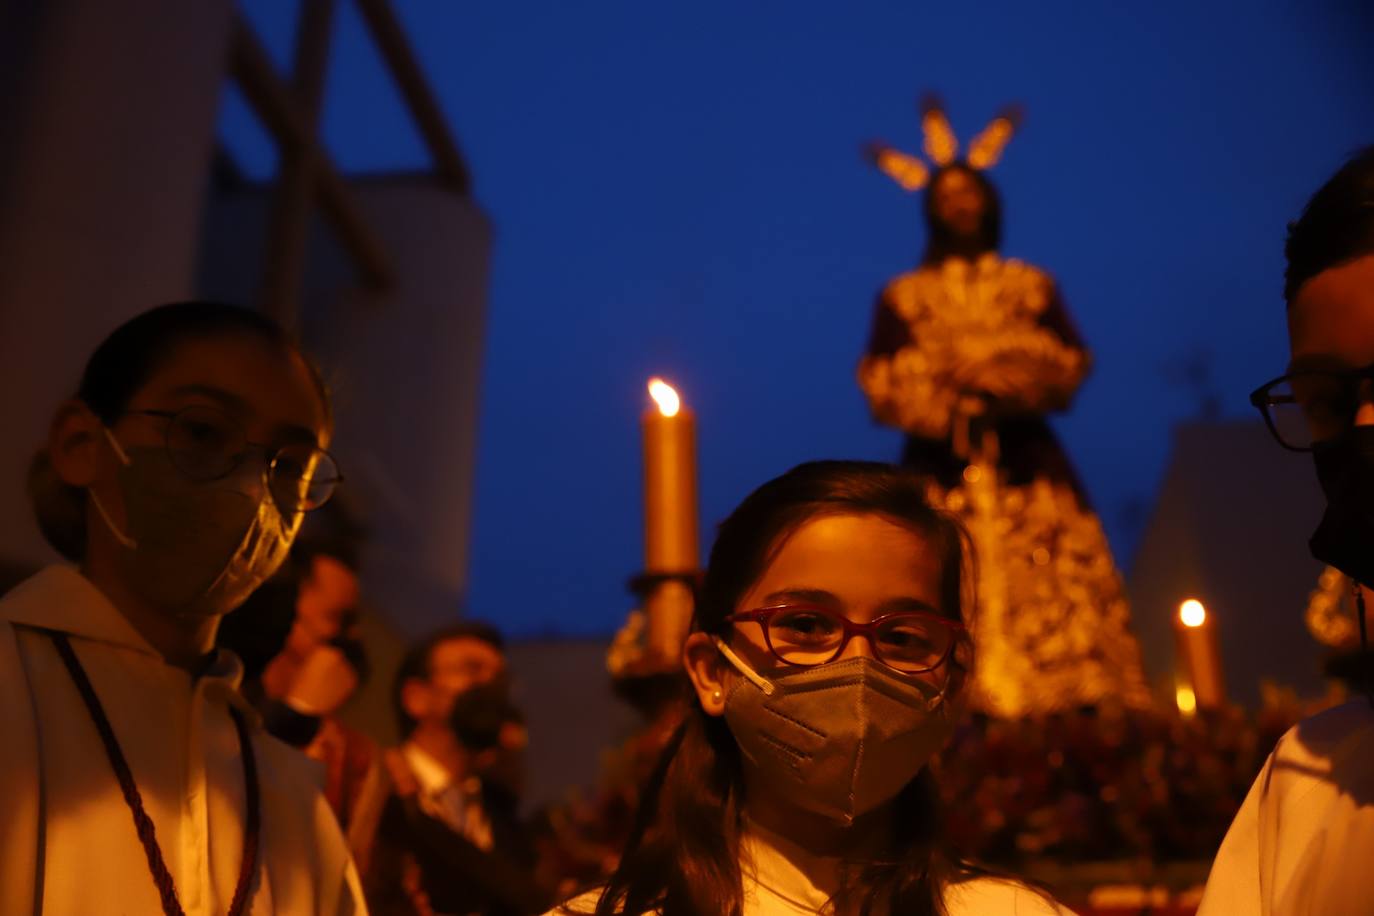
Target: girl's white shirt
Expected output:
[782,879]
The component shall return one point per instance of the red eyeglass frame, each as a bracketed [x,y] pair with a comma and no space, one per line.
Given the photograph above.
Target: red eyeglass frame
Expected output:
[762,615]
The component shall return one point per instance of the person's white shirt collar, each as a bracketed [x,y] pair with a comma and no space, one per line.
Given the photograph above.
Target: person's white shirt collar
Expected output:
[60,598]
[63,600]
[783,868]
[432,776]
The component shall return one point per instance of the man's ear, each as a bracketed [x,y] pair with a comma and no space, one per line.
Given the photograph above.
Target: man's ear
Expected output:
[75,446]
[706,667]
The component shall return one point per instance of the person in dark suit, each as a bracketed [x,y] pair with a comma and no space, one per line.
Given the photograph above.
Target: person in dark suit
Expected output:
[450,839]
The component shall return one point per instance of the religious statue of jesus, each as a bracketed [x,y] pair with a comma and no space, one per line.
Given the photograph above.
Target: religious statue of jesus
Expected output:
[968,355]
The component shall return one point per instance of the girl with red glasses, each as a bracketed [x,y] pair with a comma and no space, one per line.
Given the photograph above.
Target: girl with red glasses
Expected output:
[828,661]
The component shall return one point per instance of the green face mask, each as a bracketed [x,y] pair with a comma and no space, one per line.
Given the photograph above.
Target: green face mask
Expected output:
[195,548]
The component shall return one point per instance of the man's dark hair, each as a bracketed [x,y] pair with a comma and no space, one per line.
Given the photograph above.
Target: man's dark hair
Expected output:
[416,663]
[1336,226]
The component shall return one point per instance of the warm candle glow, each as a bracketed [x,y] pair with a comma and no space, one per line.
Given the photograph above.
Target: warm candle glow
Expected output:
[670,521]
[1199,657]
[665,396]
[1187,700]
[1192,613]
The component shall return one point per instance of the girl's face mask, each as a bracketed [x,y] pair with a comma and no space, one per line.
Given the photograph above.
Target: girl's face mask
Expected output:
[193,548]
[840,739]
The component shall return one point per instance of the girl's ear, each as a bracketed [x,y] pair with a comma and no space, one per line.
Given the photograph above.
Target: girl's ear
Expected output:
[706,668]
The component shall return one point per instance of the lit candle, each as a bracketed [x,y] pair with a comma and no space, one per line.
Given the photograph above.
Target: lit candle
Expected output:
[1200,655]
[670,518]
[1186,700]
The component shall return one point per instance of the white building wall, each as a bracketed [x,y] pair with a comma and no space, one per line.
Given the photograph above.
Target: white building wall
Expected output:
[405,369]
[104,154]
[1230,527]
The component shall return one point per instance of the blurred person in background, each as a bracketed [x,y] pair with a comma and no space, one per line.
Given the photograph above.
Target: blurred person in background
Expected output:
[303,662]
[450,838]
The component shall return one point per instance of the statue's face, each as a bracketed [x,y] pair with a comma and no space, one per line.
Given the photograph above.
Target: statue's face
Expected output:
[959,203]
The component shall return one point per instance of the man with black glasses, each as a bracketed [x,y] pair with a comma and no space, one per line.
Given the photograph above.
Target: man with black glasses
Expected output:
[1304,839]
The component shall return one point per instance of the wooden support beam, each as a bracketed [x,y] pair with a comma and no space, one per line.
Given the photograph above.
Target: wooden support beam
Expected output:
[252,69]
[289,234]
[424,107]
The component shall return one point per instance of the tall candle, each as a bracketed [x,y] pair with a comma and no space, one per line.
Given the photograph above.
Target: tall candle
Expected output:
[670,517]
[1199,654]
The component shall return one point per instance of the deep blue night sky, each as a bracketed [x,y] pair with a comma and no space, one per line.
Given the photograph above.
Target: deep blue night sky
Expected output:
[677,190]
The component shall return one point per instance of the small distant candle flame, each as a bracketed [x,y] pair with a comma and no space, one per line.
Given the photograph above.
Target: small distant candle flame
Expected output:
[1186,699]
[1192,613]
[665,396]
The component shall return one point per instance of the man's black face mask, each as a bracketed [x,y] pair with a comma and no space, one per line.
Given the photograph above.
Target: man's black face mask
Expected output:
[479,714]
[1345,537]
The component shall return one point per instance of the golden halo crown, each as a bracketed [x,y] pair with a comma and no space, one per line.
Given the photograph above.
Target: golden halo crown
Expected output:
[942,146]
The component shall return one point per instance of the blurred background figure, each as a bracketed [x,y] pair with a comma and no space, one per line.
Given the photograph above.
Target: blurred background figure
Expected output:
[450,838]
[303,661]
[969,354]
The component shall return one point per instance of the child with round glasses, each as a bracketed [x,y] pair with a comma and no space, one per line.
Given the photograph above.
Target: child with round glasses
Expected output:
[828,662]
[133,776]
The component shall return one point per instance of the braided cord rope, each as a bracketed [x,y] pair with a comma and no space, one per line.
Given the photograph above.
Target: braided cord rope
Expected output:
[143,824]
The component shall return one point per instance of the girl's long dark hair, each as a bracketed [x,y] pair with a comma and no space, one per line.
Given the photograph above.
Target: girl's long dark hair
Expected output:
[682,858]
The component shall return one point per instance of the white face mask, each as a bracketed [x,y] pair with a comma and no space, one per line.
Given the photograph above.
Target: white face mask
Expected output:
[840,739]
[195,548]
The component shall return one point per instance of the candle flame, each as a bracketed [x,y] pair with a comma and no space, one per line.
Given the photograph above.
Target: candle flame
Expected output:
[1192,613]
[1186,699]
[665,396]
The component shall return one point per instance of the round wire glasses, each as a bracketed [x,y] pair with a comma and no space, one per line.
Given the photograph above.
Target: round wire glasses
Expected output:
[911,642]
[206,444]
